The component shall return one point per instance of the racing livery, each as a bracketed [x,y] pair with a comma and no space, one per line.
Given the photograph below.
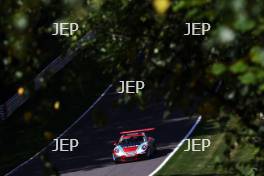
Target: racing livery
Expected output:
[134,145]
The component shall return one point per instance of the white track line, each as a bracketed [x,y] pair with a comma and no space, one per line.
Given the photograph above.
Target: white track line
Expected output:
[176,148]
[65,131]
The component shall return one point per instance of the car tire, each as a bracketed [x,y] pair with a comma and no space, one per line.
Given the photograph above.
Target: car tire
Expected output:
[155,148]
[148,154]
[114,159]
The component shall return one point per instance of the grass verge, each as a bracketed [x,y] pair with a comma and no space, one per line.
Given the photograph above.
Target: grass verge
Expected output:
[186,163]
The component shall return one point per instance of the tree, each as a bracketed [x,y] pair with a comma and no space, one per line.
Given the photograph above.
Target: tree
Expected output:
[143,40]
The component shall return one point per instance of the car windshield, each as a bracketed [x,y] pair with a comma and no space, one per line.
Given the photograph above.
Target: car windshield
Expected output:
[132,141]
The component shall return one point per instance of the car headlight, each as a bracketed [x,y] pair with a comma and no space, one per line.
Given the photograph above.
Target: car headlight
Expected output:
[144,147]
[116,150]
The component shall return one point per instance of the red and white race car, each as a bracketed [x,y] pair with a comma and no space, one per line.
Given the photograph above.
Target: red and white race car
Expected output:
[134,145]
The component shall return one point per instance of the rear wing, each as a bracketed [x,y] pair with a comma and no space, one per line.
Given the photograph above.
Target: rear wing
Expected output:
[138,131]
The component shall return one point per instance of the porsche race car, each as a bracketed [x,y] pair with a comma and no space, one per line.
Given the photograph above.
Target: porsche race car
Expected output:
[134,145]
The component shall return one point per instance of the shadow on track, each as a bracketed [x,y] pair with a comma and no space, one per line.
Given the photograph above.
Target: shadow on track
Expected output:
[95,143]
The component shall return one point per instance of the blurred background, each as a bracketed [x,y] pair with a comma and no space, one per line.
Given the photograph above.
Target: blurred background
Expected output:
[135,40]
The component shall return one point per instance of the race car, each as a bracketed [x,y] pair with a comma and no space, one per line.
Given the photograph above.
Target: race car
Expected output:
[134,145]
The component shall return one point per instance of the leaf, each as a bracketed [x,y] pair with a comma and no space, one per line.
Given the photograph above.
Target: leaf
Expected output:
[260,75]
[257,55]
[161,6]
[261,88]
[183,4]
[178,6]
[218,69]
[239,67]
[244,24]
[248,78]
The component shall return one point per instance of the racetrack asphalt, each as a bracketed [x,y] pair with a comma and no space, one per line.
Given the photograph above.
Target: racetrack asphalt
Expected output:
[93,155]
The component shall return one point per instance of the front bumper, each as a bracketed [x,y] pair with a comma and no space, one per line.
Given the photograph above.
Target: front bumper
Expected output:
[128,158]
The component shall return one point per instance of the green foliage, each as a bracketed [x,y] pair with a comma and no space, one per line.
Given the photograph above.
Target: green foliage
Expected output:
[239,67]
[183,4]
[248,78]
[218,69]
[257,55]
[133,42]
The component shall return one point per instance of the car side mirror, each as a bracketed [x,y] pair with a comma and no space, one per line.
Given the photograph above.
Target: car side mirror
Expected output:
[114,143]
